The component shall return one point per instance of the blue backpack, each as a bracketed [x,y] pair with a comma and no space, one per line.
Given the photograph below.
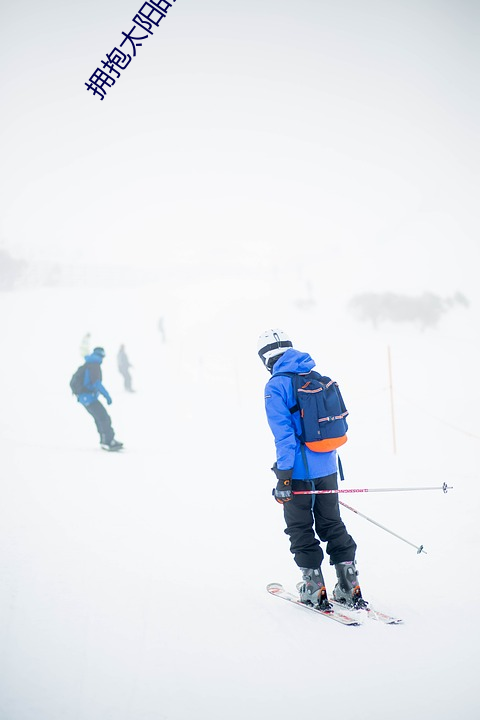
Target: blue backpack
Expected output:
[322,411]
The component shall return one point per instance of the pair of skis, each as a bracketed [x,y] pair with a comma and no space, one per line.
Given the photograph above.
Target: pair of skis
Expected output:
[338,613]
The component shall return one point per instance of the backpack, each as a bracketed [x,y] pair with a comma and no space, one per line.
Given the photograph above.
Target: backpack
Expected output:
[78,378]
[322,411]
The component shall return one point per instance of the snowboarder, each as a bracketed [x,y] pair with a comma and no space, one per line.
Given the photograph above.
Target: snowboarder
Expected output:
[308,518]
[88,397]
[123,364]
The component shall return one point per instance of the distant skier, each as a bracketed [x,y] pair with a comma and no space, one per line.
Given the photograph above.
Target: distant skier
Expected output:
[300,468]
[161,329]
[85,345]
[87,386]
[124,366]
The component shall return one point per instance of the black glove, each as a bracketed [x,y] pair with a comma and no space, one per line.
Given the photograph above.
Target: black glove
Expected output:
[282,474]
[283,492]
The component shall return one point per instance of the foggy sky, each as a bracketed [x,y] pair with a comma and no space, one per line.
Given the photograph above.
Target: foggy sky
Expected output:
[243,130]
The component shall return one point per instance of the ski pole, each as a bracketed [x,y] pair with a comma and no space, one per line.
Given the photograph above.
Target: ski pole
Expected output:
[419,548]
[443,487]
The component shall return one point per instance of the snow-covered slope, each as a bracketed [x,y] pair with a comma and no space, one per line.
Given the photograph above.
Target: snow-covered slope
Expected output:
[132,585]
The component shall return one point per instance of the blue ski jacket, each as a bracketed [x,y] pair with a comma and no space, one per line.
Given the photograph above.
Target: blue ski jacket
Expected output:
[93,381]
[285,426]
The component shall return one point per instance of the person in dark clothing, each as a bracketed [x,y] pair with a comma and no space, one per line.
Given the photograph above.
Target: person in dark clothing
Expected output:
[124,366]
[92,388]
[309,518]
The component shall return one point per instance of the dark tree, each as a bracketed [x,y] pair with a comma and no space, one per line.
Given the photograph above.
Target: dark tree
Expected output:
[426,309]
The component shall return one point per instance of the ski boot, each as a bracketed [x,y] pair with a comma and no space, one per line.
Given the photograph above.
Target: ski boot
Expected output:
[347,590]
[312,589]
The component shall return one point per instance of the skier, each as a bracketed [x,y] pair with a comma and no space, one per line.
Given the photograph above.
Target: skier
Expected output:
[299,468]
[161,329]
[85,345]
[123,364]
[92,388]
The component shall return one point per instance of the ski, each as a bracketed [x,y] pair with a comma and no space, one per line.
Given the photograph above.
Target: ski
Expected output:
[371,613]
[336,613]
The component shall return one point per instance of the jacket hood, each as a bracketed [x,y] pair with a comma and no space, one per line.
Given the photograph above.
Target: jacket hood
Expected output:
[93,358]
[293,361]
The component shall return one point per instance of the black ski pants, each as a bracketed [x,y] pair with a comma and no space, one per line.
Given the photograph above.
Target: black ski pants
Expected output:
[102,421]
[310,517]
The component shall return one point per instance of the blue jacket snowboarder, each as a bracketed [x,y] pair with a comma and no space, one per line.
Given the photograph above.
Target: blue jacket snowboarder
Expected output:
[309,518]
[88,397]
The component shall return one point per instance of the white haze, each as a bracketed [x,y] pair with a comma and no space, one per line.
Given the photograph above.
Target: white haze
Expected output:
[133,585]
[257,165]
[238,133]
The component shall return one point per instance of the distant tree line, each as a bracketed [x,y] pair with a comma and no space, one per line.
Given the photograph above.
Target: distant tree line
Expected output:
[426,309]
[11,270]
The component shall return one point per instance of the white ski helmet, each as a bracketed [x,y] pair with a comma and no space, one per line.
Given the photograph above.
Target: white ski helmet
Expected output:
[271,344]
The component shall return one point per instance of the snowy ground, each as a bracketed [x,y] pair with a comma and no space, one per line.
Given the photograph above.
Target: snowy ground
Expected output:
[133,585]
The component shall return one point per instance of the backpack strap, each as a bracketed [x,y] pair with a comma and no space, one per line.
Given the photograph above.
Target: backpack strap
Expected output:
[293,377]
[304,458]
